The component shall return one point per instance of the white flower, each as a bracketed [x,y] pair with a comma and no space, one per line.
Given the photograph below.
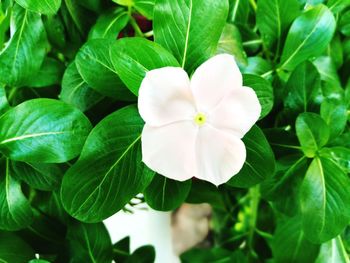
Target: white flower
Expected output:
[194,127]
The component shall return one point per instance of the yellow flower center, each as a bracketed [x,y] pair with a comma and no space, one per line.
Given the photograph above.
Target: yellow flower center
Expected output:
[200,119]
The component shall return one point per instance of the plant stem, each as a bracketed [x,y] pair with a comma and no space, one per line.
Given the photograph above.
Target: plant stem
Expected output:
[253,4]
[254,193]
[138,31]
[252,42]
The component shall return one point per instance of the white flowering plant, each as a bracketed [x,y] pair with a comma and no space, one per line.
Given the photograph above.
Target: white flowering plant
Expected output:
[241,104]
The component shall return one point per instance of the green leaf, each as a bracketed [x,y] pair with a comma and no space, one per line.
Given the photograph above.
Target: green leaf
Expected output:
[308,36]
[13,249]
[4,105]
[273,19]
[145,7]
[55,31]
[143,254]
[94,60]
[239,11]
[133,57]
[283,187]
[325,200]
[38,261]
[50,73]
[121,250]
[344,23]
[213,255]
[327,70]
[43,130]
[25,51]
[334,112]
[290,245]
[333,251]
[15,212]
[165,194]
[337,6]
[89,243]
[182,28]
[302,88]
[114,148]
[339,155]
[47,7]
[110,24]
[40,176]
[263,90]
[231,43]
[313,133]
[260,161]
[257,66]
[76,91]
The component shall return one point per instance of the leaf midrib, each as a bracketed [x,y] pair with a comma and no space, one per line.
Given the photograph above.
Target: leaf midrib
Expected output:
[187,35]
[107,173]
[33,135]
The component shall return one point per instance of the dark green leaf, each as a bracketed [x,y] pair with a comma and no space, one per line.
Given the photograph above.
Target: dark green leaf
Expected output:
[263,90]
[182,28]
[308,36]
[213,255]
[133,57]
[260,162]
[145,254]
[165,194]
[25,51]
[38,175]
[47,7]
[273,19]
[109,24]
[302,88]
[121,250]
[15,212]
[312,131]
[94,60]
[334,112]
[118,175]
[89,243]
[13,249]
[43,130]
[325,200]
[239,11]
[290,245]
[76,91]
[50,73]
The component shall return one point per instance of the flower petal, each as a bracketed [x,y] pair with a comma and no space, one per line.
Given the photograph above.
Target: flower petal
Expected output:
[213,80]
[237,112]
[165,96]
[169,150]
[220,155]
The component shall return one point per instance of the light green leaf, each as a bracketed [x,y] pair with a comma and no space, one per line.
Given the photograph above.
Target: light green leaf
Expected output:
[25,51]
[290,245]
[334,112]
[302,88]
[257,66]
[308,36]
[313,133]
[40,176]
[260,161]
[337,6]
[50,73]
[94,60]
[89,243]
[231,42]
[47,7]
[327,70]
[182,28]
[133,57]
[325,200]
[13,249]
[118,175]
[145,7]
[333,251]
[344,23]
[263,90]
[15,212]
[340,155]
[4,105]
[43,130]
[165,194]
[109,24]
[273,19]
[76,91]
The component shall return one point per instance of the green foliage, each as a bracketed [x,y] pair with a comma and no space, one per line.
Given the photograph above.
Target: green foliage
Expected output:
[70,132]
